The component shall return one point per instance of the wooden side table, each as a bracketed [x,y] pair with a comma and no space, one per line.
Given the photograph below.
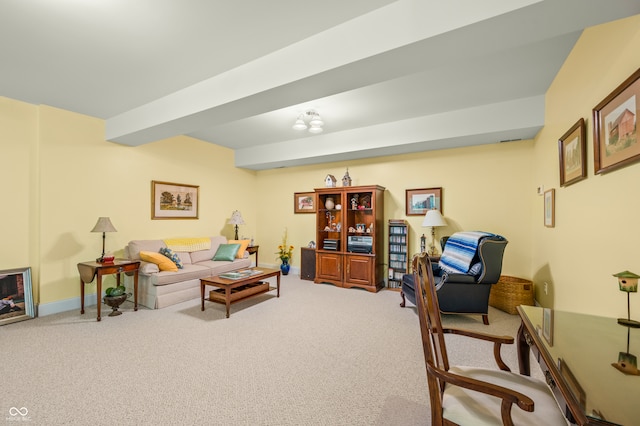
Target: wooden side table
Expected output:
[253,250]
[89,270]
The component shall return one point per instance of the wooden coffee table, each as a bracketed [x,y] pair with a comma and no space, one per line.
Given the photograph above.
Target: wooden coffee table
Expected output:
[230,291]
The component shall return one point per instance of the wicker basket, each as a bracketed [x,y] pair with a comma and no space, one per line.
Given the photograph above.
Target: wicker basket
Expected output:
[510,292]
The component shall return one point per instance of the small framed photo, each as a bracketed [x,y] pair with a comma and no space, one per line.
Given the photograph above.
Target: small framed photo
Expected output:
[304,202]
[572,149]
[550,208]
[615,127]
[16,296]
[174,200]
[547,325]
[418,201]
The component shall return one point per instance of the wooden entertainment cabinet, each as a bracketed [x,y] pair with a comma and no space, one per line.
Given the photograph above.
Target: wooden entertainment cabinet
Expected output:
[356,212]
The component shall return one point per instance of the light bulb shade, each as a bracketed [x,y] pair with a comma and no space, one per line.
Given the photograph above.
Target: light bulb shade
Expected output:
[236,218]
[104,225]
[433,218]
[316,121]
[315,129]
[299,124]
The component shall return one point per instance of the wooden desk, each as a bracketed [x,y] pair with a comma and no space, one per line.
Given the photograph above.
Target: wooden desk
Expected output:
[89,270]
[577,354]
[253,250]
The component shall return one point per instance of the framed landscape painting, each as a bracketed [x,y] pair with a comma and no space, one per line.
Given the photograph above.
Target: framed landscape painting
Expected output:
[16,295]
[615,127]
[173,200]
[420,200]
[572,150]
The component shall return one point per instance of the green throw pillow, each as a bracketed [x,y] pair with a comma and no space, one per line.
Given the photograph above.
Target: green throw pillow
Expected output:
[226,252]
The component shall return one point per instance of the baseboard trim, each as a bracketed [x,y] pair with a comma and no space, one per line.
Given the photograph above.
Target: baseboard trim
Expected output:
[59,306]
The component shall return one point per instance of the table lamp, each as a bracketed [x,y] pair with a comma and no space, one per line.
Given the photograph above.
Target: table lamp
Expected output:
[103,225]
[433,218]
[628,282]
[236,219]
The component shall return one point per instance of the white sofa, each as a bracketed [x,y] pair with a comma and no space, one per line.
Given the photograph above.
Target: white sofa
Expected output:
[158,289]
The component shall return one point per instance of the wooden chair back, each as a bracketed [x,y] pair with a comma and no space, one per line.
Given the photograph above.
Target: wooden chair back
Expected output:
[433,342]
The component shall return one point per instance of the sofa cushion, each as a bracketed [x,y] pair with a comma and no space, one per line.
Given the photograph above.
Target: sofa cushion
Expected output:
[243,247]
[173,256]
[163,262]
[189,272]
[200,255]
[136,246]
[226,252]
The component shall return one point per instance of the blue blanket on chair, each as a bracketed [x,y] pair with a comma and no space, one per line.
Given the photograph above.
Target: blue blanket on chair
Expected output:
[460,250]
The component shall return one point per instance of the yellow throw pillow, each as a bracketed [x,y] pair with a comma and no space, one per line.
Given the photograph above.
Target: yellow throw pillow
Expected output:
[163,262]
[243,246]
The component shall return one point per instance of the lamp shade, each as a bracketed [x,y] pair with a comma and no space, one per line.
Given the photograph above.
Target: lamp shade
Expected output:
[433,218]
[236,218]
[104,225]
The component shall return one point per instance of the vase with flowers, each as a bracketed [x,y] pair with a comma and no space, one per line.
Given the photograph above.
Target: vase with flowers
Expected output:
[285,252]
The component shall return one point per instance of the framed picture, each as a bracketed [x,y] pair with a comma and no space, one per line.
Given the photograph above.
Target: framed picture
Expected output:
[420,200]
[615,127]
[572,149]
[550,208]
[173,200]
[304,202]
[16,296]
[547,325]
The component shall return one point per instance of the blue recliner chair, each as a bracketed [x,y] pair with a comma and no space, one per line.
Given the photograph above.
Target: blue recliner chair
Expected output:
[470,263]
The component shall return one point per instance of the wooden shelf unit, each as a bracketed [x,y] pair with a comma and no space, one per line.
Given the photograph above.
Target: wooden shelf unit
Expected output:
[350,211]
[398,253]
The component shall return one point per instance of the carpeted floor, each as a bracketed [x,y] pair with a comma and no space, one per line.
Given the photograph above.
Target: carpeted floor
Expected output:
[318,355]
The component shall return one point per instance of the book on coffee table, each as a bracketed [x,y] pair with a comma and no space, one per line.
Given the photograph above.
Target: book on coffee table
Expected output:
[237,275]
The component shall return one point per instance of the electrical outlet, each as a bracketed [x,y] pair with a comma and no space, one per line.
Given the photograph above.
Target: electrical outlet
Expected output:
[541,190]
[546,288]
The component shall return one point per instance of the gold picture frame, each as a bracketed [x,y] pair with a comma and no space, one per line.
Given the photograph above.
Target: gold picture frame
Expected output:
[174,200]
[572,151]
[550,208]
[615,127]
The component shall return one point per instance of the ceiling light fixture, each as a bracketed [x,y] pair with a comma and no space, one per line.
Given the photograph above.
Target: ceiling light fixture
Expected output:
[315,122]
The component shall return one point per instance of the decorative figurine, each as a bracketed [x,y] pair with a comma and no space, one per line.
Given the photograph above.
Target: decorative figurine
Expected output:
[628,282]
[330,181]
[346,179]
[627,362]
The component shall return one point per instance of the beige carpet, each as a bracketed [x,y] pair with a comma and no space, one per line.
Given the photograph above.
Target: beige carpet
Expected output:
[318,355]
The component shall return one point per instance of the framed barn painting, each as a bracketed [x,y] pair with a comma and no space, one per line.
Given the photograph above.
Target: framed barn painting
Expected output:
[615,127]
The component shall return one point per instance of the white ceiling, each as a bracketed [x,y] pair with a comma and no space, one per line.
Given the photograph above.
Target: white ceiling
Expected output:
[387,77]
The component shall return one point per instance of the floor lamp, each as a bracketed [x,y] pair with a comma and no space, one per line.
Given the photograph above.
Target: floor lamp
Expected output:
[433,218]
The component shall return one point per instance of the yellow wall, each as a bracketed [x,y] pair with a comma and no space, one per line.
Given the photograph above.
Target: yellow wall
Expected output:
[597,228]
[484,188]
[61,175]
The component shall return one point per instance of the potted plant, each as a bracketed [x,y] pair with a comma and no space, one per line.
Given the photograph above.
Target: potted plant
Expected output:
[114,297]
[285,252]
